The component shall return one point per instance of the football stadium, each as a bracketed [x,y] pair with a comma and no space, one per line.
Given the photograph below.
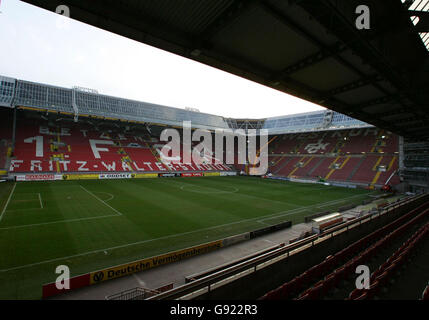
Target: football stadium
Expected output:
[91,187]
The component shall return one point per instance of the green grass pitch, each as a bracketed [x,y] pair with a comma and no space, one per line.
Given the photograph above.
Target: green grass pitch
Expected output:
[90,225]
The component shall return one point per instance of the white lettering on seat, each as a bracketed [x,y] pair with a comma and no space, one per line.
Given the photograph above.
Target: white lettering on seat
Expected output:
[82,165]
[149,165]
[137,167]
[14,164]
[109,167]
[39,145]
[65,165]
[36,164]
[126,166]
[314,147]
[96,150]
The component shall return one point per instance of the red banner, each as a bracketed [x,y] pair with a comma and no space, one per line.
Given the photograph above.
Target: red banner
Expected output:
[38,177]
[198,174]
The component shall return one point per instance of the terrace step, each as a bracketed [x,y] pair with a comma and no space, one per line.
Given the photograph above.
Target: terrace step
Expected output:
[356,168]
[283,165]
[315,167]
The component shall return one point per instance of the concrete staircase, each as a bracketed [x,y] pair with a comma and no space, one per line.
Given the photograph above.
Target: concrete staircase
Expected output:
[356,168]
[309,173]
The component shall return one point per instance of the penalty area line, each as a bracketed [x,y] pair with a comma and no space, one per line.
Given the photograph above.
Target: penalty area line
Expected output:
[55,222]
[68,220]
[101,200]
[276,214]
[7,203]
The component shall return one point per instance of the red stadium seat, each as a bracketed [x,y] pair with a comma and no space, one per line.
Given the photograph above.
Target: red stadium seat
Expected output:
[77,148]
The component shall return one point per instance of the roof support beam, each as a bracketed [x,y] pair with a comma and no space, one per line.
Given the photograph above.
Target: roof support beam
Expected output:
[423,24]
[225,18]
[294,26]
[375,53]
[372,102]
[313,59]
[355,84]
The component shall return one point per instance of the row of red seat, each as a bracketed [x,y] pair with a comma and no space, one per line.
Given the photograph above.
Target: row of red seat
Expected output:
[322,166]
[297,284]
[354,141]
[375,145]
[362,257]
[77,147]
[380,277]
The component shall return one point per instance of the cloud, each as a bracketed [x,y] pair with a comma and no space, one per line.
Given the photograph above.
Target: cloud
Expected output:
[41,50]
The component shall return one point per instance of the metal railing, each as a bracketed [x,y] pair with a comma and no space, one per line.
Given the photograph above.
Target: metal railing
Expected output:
[133,294]
[236,271]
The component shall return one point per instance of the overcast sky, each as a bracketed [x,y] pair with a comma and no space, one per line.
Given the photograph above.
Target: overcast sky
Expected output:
[36,45]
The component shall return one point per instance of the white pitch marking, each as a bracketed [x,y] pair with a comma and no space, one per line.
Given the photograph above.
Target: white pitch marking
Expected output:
[220,191]
[22,210]
[7,203]
[111,195]
[264,223]
[65,221]
[40,199]
[100,200]
[149,240]
[54,222]
[294,211]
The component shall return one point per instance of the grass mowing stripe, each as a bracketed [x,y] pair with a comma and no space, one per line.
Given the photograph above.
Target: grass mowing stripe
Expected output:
[7,202]
[288,203]
[294,211]
[66,220]
[182,184]
[157,214]
[288,212]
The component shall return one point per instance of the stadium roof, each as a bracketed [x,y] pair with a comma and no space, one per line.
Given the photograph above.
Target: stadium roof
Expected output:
[85,102]
[311,49]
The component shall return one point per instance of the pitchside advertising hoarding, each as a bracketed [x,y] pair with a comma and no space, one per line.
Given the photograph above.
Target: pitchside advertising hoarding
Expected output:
[130,268]
[197,174]
[211,174]
[169,175]
[116,176]
[80,177]
[224,174]
[141,265]
[145,175]
[39,177]
[112,176]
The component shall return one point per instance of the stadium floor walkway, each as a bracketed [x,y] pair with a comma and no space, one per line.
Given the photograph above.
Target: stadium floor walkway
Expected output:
[176,272]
